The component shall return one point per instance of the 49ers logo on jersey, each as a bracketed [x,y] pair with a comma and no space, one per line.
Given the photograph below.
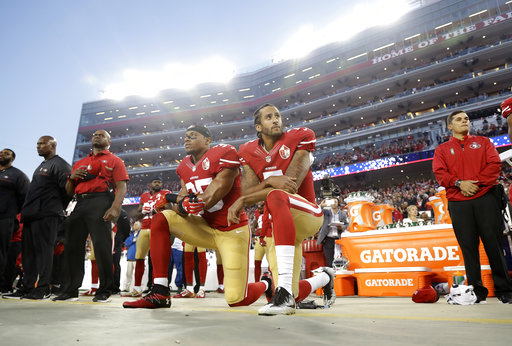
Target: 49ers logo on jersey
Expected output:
[475,145]
[284,152]
[206,164]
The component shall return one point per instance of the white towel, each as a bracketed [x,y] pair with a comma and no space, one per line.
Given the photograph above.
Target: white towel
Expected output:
[461,295]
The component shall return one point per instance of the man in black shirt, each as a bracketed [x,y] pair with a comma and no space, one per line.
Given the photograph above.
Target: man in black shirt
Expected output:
[41,214]
[13,188]
[123,231]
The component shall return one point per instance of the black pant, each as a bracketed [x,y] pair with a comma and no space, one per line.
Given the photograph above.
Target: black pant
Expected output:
[116,258]
[7,225]
[329,245]
[37,245]
[87,218]
[476,219]
[10,272]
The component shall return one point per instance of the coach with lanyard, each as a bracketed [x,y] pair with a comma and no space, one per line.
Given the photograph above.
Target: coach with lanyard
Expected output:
[98,182]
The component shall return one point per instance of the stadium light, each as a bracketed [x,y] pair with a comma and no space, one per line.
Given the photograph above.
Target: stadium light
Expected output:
[477,13]
[442,26]
[413,36]
[374,13]
[148,83]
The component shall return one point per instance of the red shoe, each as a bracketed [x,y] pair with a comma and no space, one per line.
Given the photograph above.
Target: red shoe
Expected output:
[201,294]
[158,297]
[220,290]
[185,294]
[91,292]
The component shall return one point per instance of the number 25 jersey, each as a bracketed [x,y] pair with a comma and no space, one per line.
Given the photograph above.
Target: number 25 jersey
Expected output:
[198,176]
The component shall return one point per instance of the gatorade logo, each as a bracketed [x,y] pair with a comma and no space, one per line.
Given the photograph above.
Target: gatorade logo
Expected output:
[399,255]
[388,282]
[376,216]
[354,211]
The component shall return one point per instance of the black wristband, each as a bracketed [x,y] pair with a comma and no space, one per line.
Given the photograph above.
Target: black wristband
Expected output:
[180,207]
[171,197]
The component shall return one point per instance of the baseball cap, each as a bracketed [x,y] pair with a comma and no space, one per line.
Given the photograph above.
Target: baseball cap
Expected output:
[201,129]
[506,107]
[425,294]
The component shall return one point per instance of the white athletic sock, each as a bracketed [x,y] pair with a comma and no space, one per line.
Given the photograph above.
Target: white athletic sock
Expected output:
[317,281]
[96,285]
[201,288]
[161,281]
[284,256]
[137,288]
[190,288]
[221,286]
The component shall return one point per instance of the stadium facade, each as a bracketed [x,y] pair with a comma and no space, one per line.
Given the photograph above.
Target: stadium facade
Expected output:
[385,83]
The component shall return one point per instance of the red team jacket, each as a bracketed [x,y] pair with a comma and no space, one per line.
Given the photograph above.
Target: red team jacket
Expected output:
[198,176]
[473,158]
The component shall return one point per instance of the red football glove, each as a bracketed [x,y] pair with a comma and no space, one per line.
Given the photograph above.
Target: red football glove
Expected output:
[160,203]
[191,205]
[262,241]
[146,209]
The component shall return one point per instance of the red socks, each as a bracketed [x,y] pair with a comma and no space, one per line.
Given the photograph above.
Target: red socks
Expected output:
[257,270]
[160,246]
[254,291]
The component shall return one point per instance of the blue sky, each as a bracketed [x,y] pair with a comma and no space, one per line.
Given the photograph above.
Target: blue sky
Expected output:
[57,55]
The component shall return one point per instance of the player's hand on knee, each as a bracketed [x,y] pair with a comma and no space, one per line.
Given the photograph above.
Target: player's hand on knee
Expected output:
[234,212]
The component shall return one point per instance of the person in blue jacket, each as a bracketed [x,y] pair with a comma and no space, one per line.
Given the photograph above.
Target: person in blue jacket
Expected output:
[129,243]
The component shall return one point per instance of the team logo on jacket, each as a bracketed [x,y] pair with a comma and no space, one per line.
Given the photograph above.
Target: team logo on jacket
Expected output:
[475,145]
[206,164]
[284,152]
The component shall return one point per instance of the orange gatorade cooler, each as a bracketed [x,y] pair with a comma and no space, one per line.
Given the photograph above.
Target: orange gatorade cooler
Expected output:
[344,284]
[382,215]
[360,205]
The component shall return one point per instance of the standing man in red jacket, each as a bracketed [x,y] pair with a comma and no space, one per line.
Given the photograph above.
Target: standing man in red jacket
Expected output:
[468,167]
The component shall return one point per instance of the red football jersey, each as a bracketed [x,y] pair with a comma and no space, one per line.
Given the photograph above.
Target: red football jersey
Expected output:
[147,200]
[276,162]
[198,176]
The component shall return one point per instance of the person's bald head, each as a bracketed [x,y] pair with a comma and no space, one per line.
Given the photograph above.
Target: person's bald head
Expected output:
[101,140]
[46,147]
